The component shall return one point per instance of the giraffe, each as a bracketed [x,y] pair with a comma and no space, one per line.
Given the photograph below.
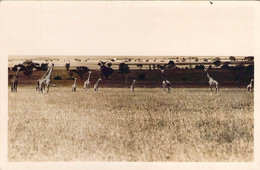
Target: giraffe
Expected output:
[39,80]
[46,81]
[212,82]
[87,82]
[132,87]
[14,81]
[250,87]
[96,84]
[166,83]
[74,86]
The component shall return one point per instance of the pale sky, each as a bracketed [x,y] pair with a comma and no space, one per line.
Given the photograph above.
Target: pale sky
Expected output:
[128,28]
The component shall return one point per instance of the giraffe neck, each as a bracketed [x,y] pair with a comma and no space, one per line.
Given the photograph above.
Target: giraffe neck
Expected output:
[210,78]
[48,76]
[97,82]
[133,83]
[16,75]
[88,76]
[75,81]
[251,83]
[46,73]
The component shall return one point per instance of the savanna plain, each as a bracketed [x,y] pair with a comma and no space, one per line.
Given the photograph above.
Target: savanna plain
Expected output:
[113,124]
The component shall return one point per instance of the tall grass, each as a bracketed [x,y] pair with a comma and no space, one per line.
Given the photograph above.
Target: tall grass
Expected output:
[116,125]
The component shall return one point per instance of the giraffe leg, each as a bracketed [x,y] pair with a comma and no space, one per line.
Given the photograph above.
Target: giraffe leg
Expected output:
[48,88]
[210,89]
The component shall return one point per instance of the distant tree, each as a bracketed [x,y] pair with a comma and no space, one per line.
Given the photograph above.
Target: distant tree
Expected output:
[232,58]
[160,67]
[140,66]
[81,70]
[200,67]
[216,59]
[106,71]
[249,58]
[124,68]
[171,64]
[210,67]
[109,65]
[28,72]
[196,60]
[44,66]
[217,63]
[67,66]
[225,66]
[28,66]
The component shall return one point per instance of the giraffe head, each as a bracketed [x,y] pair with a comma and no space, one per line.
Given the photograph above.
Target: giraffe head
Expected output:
[99,79]
[89,72]
[205,69]
[134,81]
[162,70]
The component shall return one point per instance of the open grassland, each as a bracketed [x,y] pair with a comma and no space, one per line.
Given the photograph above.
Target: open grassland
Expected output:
[116,125]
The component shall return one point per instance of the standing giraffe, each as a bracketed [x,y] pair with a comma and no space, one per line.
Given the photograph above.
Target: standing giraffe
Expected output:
[166,83]
[46,80]
[250,87]
[74,86]
[39,80]
[96,84]
[132,87]
[14,81]
[87,82]
[212,82]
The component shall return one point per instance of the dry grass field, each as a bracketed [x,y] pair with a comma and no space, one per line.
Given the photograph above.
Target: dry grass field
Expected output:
[190,124]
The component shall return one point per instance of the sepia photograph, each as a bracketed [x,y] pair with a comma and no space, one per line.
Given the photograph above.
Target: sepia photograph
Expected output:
[157,82]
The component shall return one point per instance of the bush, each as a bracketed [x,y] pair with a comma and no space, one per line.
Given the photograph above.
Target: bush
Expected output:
[57,77]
